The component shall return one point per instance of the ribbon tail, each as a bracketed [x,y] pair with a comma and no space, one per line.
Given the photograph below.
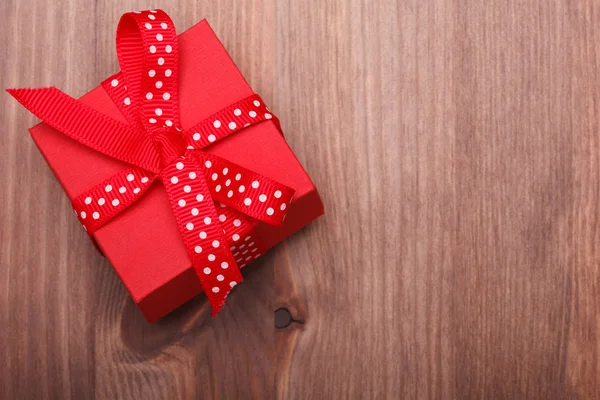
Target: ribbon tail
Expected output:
[201,230]
[246,191]
[89,127]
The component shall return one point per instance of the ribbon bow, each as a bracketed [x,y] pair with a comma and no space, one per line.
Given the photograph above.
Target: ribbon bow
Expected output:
[213,200]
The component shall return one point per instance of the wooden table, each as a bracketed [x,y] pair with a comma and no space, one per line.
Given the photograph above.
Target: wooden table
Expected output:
[455,144]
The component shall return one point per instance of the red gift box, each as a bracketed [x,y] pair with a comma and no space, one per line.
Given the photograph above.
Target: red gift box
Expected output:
[143,242]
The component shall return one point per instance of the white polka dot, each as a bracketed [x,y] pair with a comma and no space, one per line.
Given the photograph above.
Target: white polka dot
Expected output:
[159,37]
[282,207]
[179,165]
[212,138]
[247,238]
[217,124]
[214,176]
[255,184]
[225,171]
[207,220]
[144,179]
[256,103]
[230,194]
[242,246]
[174,180]
[196,136]
[96,215]
[200,197]
[238,177]
[207,270]
[148,25]
[222,217]
[237,222]
[163,25]
[216,243]
[232,283]
[149,96]
[168,73]
[252,114]
[122,189]
[232,125]
[88,200]
[236,237]
[262,198]
[166,96]
[220,277]
[114,83]
[218,188]
[202,235]
[211,257]
[246,125]
[161,61]
[190,147]
[189,226]
[242,188]
[130,177]
[228,182]
[268,116]
[101,201]
[127,101]
[181,203]
[168,48]
[169,122]
[192,175]
[215,289]
[151,73]
[108,188]
[250,244]
[237,112]
[152,17]
[198,249]
[158,84]
[115,202]
[224,265]
[247,201]
[152,120]
[187,188]
[83,215]
[195,211]
[137,190]
[208,164]
[152,49]
[270,211]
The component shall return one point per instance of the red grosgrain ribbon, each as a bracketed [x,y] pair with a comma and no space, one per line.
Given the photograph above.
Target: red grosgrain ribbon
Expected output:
[213,200]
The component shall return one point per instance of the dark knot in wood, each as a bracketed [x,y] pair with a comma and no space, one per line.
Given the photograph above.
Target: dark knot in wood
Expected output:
[283,318]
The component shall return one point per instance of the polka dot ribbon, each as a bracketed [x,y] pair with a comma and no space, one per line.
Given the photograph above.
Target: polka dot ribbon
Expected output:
[214,201]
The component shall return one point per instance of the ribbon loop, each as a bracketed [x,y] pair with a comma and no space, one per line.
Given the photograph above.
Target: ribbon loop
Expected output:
[148,56]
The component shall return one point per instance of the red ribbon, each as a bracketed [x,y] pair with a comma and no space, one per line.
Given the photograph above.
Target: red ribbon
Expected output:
[213,200]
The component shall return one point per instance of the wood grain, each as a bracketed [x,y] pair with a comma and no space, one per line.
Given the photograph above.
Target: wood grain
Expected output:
[455,144]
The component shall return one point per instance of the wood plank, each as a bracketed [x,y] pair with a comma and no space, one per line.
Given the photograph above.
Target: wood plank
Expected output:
[455,145]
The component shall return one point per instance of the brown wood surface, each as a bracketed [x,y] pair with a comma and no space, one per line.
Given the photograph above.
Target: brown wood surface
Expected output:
[455,144]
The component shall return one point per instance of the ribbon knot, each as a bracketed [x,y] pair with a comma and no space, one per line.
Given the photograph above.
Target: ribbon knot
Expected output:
[170,143]
[214,201]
